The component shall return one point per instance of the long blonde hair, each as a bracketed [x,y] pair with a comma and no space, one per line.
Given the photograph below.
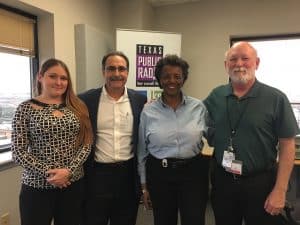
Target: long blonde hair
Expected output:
[72,102]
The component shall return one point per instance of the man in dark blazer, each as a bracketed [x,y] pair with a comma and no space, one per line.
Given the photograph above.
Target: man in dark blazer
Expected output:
[113,189]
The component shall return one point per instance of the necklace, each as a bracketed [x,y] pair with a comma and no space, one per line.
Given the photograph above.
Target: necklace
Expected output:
[53,106]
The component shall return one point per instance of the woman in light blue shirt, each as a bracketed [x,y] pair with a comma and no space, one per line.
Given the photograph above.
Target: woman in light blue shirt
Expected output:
[174,174]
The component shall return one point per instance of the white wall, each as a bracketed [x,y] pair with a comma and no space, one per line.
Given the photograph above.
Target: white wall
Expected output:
[132,14]
[9,193]
[90,46]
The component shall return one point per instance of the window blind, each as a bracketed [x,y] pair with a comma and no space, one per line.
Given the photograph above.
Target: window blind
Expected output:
[16,33]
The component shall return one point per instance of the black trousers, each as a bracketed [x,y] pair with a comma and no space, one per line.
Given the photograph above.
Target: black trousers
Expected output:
[235,199]
[111,196]
[40,206]
[182,187]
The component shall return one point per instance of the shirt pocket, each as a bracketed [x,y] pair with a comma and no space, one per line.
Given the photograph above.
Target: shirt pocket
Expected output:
[126,122]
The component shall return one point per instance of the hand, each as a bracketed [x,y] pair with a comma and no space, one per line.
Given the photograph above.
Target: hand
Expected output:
[146,199]
[59,177]
[275,202]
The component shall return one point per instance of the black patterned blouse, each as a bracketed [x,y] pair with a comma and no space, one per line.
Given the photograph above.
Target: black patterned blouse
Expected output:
[43,140]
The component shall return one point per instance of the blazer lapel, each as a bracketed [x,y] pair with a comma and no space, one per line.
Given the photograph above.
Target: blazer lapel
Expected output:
[93,107]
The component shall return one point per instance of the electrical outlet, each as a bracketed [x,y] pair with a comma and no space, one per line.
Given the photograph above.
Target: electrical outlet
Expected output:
[4,219]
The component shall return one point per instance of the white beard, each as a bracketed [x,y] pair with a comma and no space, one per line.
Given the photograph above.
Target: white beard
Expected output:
[241,75]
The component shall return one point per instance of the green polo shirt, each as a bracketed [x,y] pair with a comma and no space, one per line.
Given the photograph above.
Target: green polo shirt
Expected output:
[259,118]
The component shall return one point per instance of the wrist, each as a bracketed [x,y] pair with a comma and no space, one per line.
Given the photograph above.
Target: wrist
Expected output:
[70,175]
[144,188]
[280,190]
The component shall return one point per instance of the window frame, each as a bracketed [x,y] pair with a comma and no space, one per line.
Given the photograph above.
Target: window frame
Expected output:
[234,39]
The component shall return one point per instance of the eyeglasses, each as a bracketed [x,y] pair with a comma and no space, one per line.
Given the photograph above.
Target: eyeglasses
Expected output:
[114,68]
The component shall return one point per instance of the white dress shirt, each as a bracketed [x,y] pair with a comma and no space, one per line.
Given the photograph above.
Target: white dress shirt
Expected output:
[114,129]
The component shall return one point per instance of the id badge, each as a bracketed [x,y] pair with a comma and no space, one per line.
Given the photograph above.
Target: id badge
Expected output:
[236,167]
[228,157]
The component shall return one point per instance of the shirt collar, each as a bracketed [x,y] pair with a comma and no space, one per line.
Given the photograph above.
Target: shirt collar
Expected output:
[183,101]
[253,92]
[104,93]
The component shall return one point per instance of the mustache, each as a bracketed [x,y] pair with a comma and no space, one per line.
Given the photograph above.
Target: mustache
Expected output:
[116,78]
[240,69]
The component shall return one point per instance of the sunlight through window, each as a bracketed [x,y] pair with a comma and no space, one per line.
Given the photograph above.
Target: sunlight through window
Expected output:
[15,87]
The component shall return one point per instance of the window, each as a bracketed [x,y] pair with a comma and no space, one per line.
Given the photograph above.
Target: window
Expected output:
[18,57]
[16,88]
[279,60]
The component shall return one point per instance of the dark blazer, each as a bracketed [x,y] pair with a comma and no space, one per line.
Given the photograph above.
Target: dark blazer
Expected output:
[91,99]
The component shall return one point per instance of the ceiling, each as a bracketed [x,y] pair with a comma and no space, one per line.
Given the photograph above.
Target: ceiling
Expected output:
[157,3]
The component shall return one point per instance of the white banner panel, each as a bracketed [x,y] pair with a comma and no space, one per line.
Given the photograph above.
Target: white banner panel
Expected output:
[144,49]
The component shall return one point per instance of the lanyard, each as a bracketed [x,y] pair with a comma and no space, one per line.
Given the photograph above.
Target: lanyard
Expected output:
[233,129]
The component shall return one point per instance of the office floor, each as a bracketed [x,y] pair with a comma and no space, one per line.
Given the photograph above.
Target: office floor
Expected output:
[145,216]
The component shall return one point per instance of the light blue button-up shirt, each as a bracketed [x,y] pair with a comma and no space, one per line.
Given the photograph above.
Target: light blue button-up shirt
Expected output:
[168,133]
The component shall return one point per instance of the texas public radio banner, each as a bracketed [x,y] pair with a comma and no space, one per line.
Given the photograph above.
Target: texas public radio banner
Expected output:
[144,49]
[146,58]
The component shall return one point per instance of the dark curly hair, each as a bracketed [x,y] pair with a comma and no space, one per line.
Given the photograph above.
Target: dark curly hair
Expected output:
[171,60]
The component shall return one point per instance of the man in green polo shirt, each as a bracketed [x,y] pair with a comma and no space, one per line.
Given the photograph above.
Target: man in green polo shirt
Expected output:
[250,119]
